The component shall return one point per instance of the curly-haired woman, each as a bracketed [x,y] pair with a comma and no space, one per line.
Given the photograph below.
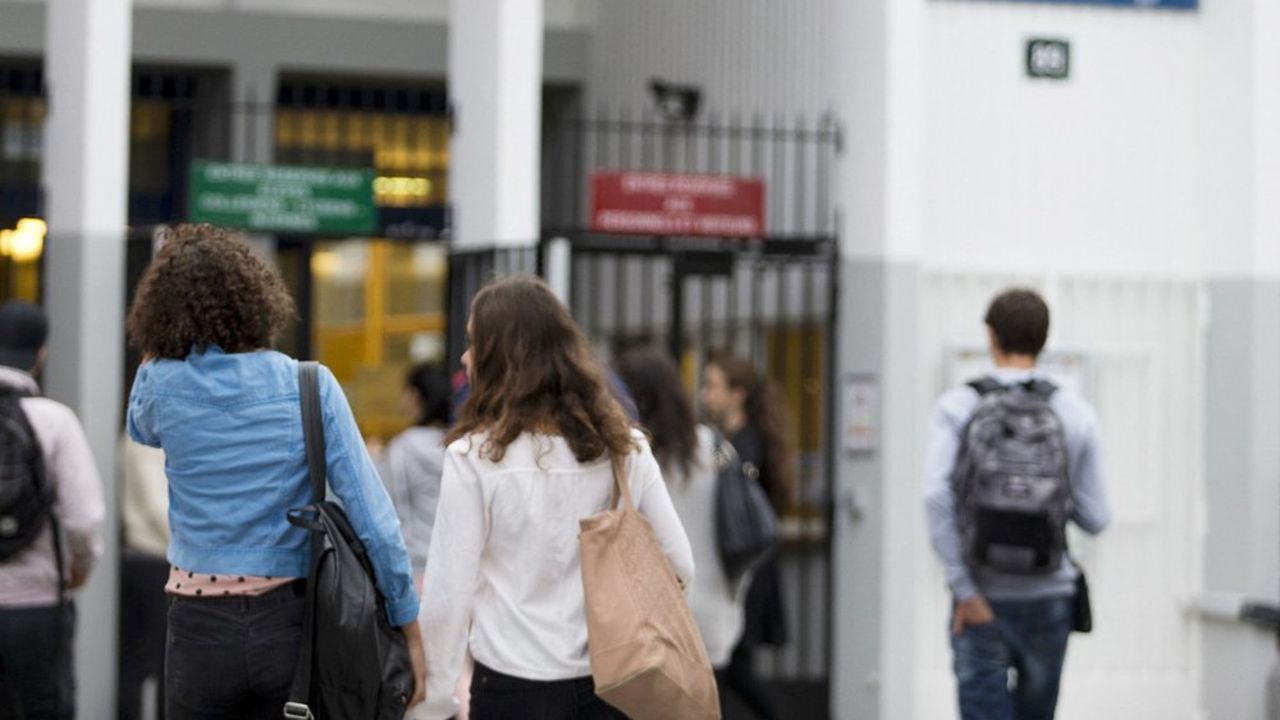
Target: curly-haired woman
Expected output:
[530,456]
[225,410]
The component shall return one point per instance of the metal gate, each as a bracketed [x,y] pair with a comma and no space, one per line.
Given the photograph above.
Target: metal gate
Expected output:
[771,299]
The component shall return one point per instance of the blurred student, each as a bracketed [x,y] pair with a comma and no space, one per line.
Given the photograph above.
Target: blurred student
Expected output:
[414,459]
[686,453]
[144,519]
[51,513]
[749,410]
[530,457]
[225,410]
[1016,593]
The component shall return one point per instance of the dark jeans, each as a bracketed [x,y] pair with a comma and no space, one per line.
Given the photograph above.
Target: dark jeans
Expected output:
[144,615]
[36,681]
[740,677]
[1028,638]
[232,658]
[495,696]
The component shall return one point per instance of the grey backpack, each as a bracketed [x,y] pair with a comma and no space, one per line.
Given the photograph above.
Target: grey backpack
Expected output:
[1013,494]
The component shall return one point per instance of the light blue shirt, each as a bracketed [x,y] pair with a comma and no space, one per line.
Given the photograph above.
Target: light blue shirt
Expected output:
[231,428]
[1090,509]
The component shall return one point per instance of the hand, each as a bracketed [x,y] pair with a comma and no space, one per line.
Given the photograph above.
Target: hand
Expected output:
[974,611]
[77,577]
[413,635]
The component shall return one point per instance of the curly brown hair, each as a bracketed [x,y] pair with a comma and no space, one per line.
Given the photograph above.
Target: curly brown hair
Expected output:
[205,287]
[532,370]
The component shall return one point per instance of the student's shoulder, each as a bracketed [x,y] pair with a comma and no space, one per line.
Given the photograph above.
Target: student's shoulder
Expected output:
[51,418]
[956,403]
[1074,411]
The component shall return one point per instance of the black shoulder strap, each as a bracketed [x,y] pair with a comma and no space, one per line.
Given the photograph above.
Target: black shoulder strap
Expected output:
[313,426]
[298,707]
[986,385]
[1041,387]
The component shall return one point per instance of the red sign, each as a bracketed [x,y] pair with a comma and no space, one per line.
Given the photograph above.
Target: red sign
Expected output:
[652,203]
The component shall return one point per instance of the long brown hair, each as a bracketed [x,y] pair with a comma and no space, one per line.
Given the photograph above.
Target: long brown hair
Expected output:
[662,404]
[765,410]
[532,368]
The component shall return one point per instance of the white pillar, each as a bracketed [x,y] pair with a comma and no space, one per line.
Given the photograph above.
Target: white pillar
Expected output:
[877,91]
[495,87]
[85,179]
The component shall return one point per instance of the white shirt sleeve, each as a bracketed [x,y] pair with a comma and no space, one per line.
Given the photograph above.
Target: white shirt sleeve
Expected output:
[653,501]
[452,577]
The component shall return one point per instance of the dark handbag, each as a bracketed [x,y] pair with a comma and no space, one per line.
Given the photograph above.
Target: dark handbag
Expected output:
[353,664]
[747,530]
[1081,609]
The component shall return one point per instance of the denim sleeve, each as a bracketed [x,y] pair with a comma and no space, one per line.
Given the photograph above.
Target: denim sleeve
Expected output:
[945,428]
[141,418]
[354,479]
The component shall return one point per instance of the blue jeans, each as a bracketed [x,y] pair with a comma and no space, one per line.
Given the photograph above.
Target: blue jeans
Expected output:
[1028,638]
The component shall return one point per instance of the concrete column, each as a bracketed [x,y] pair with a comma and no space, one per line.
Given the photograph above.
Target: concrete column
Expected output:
[877,92]
[85,180]
[253,120]
[1242,413]
[495,87]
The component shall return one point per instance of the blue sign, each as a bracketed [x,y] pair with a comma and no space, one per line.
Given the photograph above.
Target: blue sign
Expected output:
[1162,4]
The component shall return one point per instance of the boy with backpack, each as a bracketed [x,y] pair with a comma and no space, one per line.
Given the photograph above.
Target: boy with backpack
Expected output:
[51,513]
[1010,459]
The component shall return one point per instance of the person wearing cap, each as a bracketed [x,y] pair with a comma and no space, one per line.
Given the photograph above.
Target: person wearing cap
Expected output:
[36,625]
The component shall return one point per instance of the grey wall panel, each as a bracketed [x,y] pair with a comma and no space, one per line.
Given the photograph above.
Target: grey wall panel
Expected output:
[1242,539]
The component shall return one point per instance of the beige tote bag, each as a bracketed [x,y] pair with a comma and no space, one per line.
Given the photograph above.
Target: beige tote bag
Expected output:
[647,657]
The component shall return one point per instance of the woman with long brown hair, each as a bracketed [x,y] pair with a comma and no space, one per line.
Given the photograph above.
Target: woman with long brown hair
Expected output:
[530,456]
[687,453]
[749,410]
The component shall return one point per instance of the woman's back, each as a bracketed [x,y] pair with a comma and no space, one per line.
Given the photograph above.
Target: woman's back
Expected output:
[715,601]
[411,470]
[507,535]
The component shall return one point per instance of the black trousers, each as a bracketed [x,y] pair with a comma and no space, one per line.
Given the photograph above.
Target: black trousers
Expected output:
[144,612]
[495,696]
[232,658]
[36,680]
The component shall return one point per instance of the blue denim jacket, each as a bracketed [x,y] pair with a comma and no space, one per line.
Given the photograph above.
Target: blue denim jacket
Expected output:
[231,428]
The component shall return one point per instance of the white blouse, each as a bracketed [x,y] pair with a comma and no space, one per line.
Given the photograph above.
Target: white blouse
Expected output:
[504,569]
[717,604]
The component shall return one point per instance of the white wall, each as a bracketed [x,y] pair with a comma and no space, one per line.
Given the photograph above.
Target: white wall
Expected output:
[1105,172]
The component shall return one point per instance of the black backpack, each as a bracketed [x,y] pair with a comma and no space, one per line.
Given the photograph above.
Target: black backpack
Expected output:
[353,665]
[746,525]
[1012,489]
[26,500]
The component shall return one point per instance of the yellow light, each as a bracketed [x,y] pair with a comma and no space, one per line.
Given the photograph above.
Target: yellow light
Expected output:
[326,263]
[401,191]
[25,243]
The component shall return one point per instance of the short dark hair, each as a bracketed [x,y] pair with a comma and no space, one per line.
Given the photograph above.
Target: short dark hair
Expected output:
[205,287]
[431,383]
[1020,320]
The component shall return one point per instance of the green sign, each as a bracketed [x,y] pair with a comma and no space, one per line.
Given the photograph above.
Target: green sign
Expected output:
[278,198]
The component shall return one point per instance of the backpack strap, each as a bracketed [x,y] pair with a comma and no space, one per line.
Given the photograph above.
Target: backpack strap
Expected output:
[986,385]
[1037,386]
[298,707]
